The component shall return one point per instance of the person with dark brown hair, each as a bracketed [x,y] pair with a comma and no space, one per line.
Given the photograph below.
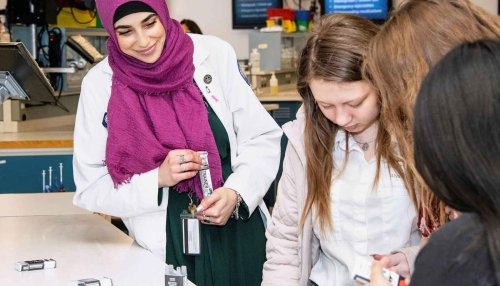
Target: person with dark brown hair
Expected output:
[342,196]
[190,26]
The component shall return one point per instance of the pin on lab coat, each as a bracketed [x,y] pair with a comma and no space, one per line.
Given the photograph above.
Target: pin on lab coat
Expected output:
[253,134]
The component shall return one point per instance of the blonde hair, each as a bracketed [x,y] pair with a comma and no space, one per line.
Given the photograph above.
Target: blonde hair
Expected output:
[414,38]
[334,52]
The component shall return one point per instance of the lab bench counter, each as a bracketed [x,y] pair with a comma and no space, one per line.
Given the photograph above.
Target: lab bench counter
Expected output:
[287,92]
[39,204]
[29,140]
[83,246]
[284,97]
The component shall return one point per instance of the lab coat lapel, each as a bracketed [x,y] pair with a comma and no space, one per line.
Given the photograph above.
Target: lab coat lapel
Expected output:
[209,83]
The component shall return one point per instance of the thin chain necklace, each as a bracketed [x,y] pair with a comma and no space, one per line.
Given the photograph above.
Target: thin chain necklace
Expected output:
[364,145]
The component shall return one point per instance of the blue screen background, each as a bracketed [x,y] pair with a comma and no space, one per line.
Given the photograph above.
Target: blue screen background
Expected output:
[371,9]
[252,13]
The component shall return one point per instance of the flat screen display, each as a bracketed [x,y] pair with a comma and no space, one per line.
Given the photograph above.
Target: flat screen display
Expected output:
[16,60]
[370,9]
[249,14]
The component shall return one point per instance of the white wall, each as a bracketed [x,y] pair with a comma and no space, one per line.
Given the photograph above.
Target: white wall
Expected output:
[214,18]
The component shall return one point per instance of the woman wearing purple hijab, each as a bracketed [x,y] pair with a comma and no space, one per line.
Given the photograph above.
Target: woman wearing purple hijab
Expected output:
[145,112]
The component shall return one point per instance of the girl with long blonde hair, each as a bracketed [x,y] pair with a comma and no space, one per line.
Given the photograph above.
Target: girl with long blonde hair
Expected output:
[342,195]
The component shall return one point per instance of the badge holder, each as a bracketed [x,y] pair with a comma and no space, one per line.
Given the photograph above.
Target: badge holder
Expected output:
[190,234]
[190,224]
[190,230]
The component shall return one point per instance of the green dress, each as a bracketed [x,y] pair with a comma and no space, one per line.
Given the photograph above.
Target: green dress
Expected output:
[233,254]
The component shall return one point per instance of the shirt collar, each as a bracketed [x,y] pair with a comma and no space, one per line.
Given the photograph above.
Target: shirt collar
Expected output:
[341,139]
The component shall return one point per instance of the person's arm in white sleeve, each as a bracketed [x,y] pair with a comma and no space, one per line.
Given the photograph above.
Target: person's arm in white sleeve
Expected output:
[282,266]
[95,190]
[257,134]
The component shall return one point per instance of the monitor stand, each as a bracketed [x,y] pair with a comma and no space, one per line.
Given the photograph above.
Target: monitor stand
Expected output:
[9,88]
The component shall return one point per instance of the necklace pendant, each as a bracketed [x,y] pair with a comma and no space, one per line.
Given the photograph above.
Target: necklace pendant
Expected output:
[365,146]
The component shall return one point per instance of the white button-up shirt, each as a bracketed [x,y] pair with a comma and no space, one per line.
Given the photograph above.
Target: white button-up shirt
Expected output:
[365,220]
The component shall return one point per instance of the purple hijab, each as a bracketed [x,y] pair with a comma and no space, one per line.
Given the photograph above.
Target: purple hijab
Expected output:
[155,108]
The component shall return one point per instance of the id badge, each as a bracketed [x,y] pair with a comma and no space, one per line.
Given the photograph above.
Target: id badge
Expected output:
[190,234]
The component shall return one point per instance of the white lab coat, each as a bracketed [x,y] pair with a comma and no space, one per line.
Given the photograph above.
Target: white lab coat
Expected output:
[254,139]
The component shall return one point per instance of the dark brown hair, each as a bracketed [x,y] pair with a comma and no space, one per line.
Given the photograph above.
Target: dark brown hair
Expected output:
[192,26]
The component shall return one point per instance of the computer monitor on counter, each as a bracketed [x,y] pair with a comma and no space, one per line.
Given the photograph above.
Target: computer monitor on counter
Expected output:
[20,76]
[250,14]
[376,10]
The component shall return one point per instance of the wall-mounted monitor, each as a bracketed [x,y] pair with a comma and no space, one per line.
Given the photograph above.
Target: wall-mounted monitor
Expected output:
[377,10]
[250,14]
[17,63]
